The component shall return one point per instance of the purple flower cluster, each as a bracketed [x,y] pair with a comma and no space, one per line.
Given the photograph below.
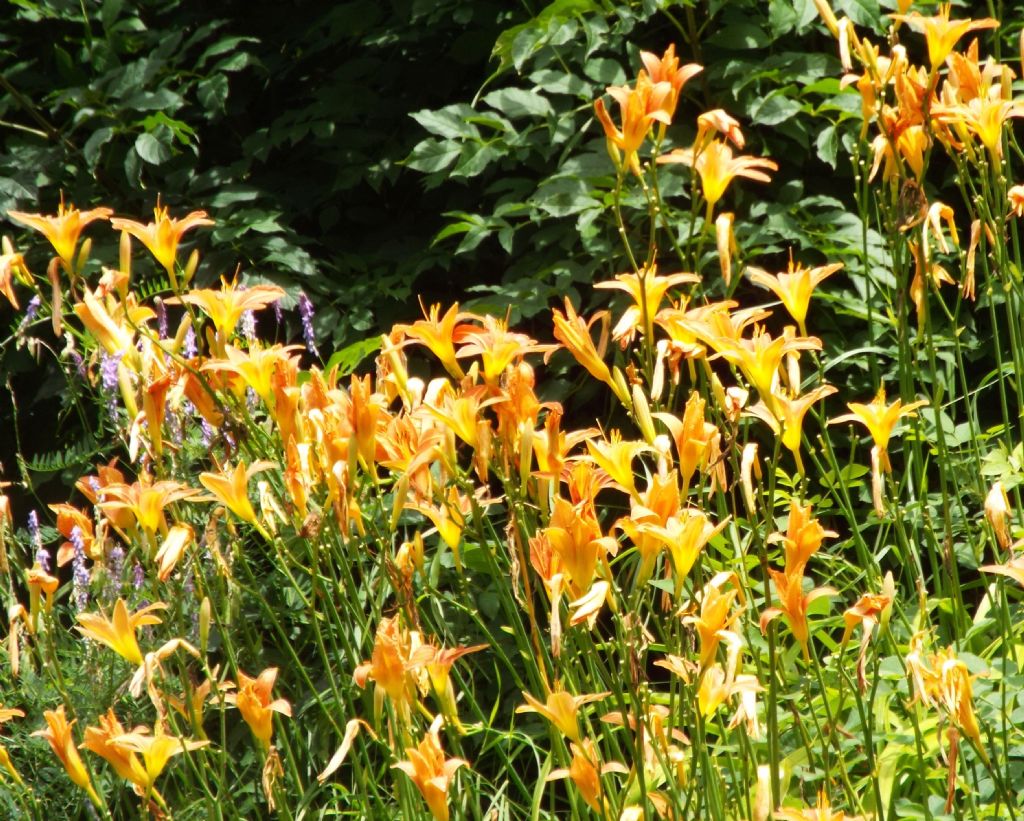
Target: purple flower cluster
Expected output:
[42,554]
[189,348]
[306,314]
[80,573]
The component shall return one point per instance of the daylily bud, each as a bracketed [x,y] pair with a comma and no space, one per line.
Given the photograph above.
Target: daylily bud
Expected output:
[204,624]
[997,510]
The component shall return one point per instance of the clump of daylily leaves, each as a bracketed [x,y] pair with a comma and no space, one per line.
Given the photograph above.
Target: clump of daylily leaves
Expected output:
[462,591]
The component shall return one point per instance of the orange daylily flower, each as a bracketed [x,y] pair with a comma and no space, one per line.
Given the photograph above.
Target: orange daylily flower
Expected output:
[803,537]
[793,604]
[438,334]
[615,457]
[62,230]
[574,334]
[586,771]
[647,292]
[118,633]
[252,698]
[561,709]
[944,681]
[696,440]
[391,665]
[58,734]
[715,618]
[760,356]
[68,518]
[574,535]
[685,535]
[145,500]
[867,612]
[225,305]
[941,33]
[258,366]
[784,414]
[39,582]
[156,749]
[639,109]
[162,235]
[717,167]
[794,287]
[179,537]
[880,419]
[666,69]
[496,346]
[431,772]
[100,740]
[231,488]
[9,263]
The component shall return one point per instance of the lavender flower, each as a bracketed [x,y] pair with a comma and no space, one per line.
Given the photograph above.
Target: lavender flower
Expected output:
[138,576]
[278,314]
[31,311]
[42,554]
[306,314]
[189,347]
[161,318]
[108,371]
[80,573]
[115,570]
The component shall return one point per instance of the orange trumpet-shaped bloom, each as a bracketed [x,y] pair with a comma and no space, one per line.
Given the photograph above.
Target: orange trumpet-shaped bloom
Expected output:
[431,772]
[639,109]
[62,230]
[100,740]
[391,666]
[58,734]
[438,334]
[717,167]
[793,604]
[785,414]
[225,305]
[9,263]
[760,356]
[162,235]
[794,287]
[880,419]
[231,488]
[666,69]
[803,537]
[647,292]
[156,749]
[575,537]
[561,709]
[253,700]
[145,500]
[716,616]
[585,772]
[574,334]
[941,33]
[118,633]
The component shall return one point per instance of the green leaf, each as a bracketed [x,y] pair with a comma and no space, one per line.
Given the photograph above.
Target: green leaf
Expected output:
[96,141]
[432,155]
[212,92]
[449,121]
[348,358]
[606,71]
[862,12]
[775,108]
[151,150]
[517,102]
[827,143]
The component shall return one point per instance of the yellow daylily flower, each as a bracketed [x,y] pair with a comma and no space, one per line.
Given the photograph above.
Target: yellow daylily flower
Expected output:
[717,167]
[941,33]
[561,709]
[794,287]
[156,749]
[118,633]
[232,488]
